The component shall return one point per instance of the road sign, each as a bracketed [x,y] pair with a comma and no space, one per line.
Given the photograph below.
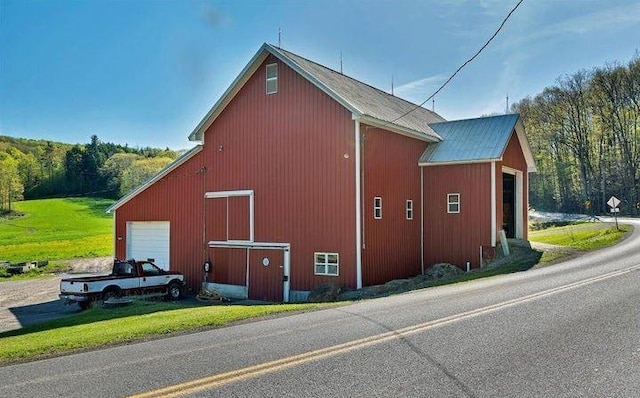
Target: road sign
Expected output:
[613,202]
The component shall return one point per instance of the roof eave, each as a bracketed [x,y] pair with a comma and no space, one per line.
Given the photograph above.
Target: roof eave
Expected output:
[458,162]
[405,131]
[198,133]
[162,173]
[526,149]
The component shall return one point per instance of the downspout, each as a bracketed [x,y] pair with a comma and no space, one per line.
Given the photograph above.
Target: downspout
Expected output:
[422,219]
[358,207]
[493,204]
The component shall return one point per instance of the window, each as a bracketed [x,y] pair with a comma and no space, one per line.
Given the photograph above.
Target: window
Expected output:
[326,264]
[409,210]
[453,203]
[377,208]
[272,78]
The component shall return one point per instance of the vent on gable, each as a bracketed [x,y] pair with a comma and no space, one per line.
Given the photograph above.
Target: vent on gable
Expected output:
[272,78]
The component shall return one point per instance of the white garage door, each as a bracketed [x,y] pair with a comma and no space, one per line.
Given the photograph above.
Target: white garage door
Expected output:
[149,240]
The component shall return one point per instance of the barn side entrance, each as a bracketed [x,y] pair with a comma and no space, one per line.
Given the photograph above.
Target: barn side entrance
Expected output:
[512,202]
[251,270]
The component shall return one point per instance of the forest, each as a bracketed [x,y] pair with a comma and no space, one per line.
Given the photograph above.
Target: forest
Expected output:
[36,169]
[584,133]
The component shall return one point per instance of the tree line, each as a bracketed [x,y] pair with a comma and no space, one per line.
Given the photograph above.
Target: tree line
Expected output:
[584,132]
[35,169]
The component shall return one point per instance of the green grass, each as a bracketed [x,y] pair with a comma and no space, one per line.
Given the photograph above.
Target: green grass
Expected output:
[98,327]
[585,236]
[57,229]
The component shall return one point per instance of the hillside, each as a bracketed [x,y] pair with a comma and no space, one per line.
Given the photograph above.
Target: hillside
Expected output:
[37,169]
[53,229]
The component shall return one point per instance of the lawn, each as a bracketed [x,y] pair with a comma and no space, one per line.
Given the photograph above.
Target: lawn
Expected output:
[98,327]
[54,229]
[584,236]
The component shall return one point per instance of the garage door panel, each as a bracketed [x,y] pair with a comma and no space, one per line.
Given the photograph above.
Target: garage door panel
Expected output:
[149,240]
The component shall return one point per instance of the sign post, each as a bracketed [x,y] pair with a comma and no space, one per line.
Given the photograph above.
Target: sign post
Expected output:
[613,202]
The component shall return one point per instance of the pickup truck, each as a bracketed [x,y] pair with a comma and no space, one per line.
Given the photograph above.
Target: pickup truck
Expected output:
[127,278]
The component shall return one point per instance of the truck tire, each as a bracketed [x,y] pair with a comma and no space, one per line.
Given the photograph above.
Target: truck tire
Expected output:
[110,293]
[174,291]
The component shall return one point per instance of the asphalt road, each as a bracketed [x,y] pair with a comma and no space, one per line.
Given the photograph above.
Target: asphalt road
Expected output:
[569,330]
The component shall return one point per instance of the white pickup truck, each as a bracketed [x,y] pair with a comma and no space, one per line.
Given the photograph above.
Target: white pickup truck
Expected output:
[127,278]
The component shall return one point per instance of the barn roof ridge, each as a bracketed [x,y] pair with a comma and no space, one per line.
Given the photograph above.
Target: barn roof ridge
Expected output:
[374,106]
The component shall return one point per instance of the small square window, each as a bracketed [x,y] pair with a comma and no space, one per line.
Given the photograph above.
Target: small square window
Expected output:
[272,78]
[326,264]
[409,210]
[377,208]
[453,203]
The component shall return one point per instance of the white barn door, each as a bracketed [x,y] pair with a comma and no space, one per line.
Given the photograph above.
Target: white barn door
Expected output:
[149,240]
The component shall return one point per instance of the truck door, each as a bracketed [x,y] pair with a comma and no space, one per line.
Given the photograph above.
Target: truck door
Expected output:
[152,276]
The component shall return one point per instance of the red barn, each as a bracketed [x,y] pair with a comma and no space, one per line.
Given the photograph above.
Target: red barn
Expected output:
[303,175]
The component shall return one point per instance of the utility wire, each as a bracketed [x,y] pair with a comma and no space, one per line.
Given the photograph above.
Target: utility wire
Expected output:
[504,21]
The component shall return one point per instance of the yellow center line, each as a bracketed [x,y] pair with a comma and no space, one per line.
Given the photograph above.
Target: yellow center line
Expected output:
[218,380]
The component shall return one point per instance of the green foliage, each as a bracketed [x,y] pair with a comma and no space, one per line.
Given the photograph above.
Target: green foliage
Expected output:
[98,327]
[44,169]
[57,229]
[584,133]
[585,236]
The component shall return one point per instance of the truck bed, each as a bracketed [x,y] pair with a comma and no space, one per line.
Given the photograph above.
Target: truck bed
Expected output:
[94,278]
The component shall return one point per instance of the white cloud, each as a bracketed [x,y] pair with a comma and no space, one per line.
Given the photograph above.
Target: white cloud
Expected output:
[418,90]
[599,21]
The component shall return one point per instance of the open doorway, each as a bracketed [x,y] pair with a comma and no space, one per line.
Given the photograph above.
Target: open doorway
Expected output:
[509,204]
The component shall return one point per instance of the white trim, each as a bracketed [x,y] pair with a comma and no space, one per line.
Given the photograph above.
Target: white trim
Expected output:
[457,162]
[326,263]
[524,145]
[405,131]
[493,205]
[408,210]
[377,207]
[286,285]
[252,245]
[422,220]
[231,194]
[358,208]
[168,169]
[458,202]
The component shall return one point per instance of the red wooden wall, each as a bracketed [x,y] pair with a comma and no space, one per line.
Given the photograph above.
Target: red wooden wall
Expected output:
[295,149]
[175,198]
[456,237]
[390,171]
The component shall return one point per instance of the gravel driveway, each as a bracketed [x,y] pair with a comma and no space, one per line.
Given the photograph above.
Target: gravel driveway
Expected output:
[26,302]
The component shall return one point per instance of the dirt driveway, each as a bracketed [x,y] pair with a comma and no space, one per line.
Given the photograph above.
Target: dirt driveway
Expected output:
[26,302]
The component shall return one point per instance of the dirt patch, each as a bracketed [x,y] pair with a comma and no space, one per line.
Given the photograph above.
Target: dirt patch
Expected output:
[26,302]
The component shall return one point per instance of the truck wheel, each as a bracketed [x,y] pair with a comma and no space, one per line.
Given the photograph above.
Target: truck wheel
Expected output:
[109,294]
[174,291]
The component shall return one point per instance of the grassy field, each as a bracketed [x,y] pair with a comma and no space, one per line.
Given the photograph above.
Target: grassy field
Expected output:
[98,327]
[584,236]
[53,229]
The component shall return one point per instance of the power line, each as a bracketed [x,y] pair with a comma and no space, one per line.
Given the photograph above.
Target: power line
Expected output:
[504,21]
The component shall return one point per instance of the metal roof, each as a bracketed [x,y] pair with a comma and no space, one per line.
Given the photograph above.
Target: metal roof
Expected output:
[366,100]
[470,140]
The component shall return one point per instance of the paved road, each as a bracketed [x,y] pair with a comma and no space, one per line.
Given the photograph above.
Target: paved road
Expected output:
[571,330]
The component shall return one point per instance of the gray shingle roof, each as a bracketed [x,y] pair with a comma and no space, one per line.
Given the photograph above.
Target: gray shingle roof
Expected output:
[365,99]
[470,140]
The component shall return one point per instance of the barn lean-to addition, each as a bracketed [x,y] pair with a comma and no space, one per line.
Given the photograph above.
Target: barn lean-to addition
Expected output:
[303,175]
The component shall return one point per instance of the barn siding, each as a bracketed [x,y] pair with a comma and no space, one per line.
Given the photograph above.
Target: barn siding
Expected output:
[390,171]
[295,149]
[513,157]
[170,199]
[456,238]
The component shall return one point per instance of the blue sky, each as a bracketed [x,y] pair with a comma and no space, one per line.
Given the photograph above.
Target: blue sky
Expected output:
[145,72]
